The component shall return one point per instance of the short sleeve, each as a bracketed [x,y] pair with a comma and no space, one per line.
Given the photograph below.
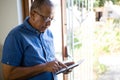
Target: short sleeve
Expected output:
[12,53]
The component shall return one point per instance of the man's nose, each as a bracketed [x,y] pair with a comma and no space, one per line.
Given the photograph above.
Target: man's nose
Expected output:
[48,23]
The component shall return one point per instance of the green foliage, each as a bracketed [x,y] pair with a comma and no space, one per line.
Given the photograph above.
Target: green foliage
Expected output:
[116,23]
[99,68]
[118,36]
[106,49]
[78,1]
[81,3]
[115,1]
[78,45]
[100,3]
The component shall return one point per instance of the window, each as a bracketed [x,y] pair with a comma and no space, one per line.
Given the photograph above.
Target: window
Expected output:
[79,37]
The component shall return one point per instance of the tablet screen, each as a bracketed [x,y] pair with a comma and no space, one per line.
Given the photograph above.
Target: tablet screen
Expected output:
[70,67]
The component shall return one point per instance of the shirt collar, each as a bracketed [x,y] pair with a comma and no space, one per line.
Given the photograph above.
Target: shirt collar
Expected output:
[28,26]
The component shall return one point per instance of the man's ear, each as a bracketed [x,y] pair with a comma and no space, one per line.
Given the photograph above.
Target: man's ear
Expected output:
[32,14]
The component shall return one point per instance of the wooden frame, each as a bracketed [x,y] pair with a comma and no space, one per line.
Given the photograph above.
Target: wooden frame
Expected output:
[25,8]
[64,25]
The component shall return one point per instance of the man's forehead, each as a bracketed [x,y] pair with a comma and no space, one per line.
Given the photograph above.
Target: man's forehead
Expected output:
[47,10]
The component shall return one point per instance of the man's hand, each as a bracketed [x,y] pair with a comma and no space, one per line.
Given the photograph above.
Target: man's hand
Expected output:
[54,66]
[68,64]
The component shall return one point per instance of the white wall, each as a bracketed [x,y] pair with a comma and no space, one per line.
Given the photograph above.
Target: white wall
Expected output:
[8,19]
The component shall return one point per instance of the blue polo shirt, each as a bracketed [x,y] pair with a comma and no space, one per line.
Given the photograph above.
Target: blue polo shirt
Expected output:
[25,46]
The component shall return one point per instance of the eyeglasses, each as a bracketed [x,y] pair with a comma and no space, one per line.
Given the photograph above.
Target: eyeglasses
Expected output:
[46,19]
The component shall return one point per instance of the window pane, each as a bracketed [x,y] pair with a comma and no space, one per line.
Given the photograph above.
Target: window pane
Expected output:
[57,33]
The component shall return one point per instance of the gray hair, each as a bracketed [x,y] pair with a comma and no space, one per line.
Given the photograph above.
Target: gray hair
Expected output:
[37,4]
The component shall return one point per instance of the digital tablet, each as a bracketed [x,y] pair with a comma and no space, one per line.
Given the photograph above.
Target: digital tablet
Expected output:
[70,67]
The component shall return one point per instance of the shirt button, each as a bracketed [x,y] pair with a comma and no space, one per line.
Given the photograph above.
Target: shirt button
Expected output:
[7,62]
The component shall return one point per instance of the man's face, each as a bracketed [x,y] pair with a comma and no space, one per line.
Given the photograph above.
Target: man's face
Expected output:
[43,18]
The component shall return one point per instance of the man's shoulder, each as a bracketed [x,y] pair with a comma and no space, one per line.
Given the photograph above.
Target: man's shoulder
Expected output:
[15,31]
